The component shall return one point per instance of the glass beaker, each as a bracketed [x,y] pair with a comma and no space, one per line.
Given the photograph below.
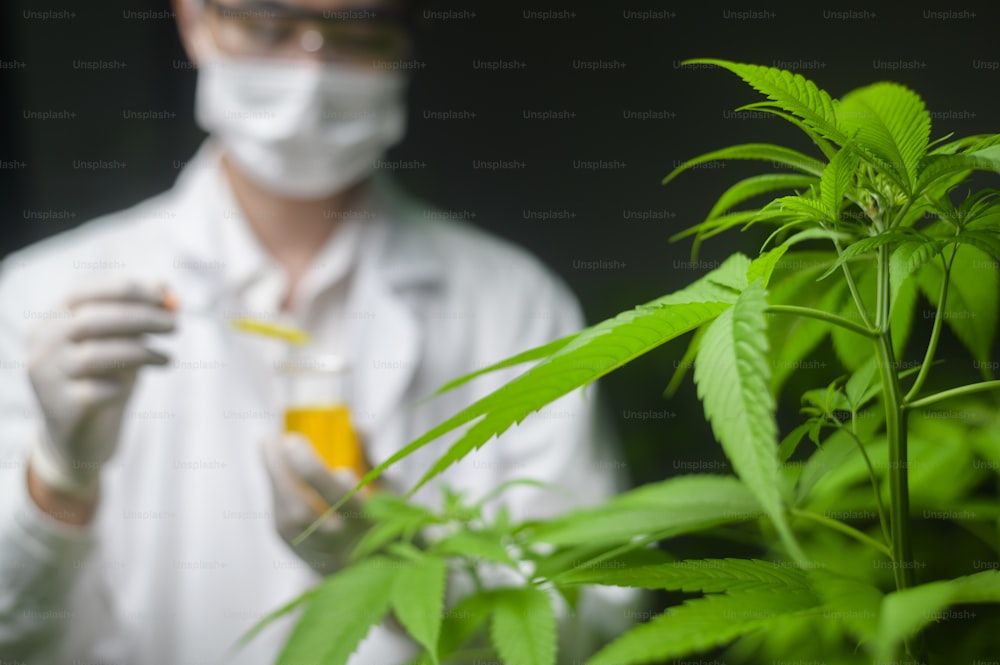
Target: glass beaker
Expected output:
[316,405]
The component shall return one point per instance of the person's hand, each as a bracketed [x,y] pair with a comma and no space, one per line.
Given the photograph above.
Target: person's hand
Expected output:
[303,489]
[82,368]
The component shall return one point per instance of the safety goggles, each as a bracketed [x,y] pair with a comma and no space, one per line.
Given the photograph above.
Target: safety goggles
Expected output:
[269,29]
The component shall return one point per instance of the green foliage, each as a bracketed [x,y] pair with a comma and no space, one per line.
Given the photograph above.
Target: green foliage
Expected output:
[707,575]
[341,612]
[669,508]
[732,374]
[864,234]
[973,281]
[524,627]
[905,612]
[418,600]
[701,624]
[586,357]
[890,124]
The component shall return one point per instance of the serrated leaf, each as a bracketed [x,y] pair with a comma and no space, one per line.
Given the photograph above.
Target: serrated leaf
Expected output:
[905,612]
[703,623]
[986,241]
[891,121]
[732,374]
[908,258]
[973,293]
[536,353]
[989,221]
[856,388]
[686,361]
[763,266]
[757,185]
[851,602]
[814,233]
[837,178]
[823,144]
[807,208]
[791,442]
[524,627]
[418,599]
[966,143]
[716,225]
[593,353]
[836,451]
[586,564]
[476,544]
[866,245]
[764,152]
[463,620]
[341,612]
[793,338]
[671,507]
[790,92]
[706,575]
[941,172]
[394,518]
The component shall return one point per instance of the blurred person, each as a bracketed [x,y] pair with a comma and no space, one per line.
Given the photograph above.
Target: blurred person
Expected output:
[147,504]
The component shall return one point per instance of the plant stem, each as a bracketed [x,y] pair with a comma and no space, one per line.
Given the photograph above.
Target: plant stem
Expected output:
[837,525]
[895,432]
[925,367]
[982,386]
[875,488]
[832,319]
[858,301]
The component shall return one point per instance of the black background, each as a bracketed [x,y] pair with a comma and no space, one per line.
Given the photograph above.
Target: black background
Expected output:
[937,57]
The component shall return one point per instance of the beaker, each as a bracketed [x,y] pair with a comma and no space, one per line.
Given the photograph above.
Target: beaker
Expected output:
[317,405]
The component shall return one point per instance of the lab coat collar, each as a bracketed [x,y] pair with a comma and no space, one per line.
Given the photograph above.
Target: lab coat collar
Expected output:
[400,255]
[214,241]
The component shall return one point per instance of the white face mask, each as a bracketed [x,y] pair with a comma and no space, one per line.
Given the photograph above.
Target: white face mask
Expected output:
[300,129]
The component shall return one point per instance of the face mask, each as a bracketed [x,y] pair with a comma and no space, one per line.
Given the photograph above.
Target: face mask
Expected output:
[300,129]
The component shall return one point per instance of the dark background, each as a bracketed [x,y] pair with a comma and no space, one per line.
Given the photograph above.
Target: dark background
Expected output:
[941,58]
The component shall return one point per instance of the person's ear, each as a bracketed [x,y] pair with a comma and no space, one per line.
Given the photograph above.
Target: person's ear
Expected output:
[187,13]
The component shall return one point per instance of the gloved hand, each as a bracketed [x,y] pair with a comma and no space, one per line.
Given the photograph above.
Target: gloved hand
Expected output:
[83,368]
[303,489]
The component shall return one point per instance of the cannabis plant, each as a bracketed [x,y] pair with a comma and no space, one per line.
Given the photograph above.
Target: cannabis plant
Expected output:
[877,221]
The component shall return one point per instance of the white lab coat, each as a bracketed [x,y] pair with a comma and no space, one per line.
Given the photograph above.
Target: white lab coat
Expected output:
[183,556]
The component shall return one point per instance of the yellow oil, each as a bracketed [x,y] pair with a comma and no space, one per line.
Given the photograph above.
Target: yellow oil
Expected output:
[329,429]
[287,333]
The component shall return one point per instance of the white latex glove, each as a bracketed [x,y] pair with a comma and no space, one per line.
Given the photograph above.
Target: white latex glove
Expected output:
[303,489]
[83,368]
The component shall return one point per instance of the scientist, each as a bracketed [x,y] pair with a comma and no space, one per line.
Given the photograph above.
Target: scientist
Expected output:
[140,521]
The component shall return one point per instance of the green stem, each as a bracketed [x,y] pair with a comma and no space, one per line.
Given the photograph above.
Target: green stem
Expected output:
[895,432]
[899,490]
[883,307]
[982,386]
[832,319]
[855,294]
[846,529]
[875,488]
[925,366]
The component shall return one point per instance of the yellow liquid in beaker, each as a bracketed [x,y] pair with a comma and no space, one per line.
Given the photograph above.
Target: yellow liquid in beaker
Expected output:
[328,428]
[277,331]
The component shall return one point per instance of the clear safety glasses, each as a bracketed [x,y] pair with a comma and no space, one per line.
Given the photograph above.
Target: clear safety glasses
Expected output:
[264,29]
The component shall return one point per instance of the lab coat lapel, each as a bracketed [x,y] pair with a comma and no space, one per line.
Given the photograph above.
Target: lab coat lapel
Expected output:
[396,263]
